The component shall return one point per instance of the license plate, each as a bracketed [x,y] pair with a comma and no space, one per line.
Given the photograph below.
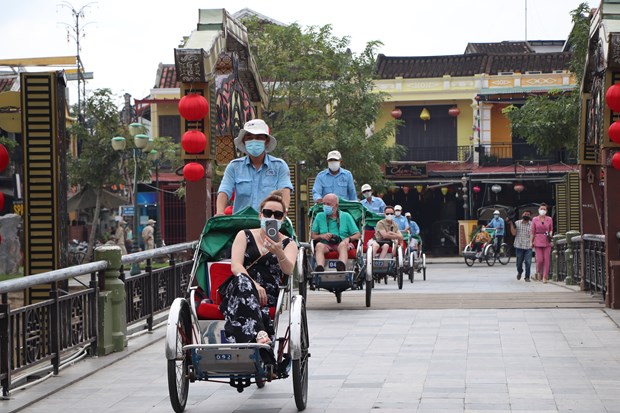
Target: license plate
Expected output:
[223,357]
[331,264]
[378,263]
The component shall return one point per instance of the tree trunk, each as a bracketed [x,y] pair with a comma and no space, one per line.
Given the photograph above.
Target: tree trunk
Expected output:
[94,226]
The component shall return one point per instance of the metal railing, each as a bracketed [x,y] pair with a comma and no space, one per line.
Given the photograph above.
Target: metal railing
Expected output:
[581,260]
[35,338]
[501,154]
[440,153]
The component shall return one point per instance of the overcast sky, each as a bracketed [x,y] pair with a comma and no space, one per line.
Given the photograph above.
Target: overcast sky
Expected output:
[125,40]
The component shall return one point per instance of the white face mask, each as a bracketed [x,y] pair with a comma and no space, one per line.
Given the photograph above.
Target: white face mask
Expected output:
[333,165]
[542,212]
[367,194]
[389,217]
[397,213]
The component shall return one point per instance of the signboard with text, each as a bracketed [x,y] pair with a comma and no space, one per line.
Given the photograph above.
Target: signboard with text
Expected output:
[406,170]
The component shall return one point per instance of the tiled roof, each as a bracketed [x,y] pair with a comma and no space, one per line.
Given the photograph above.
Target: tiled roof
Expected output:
[6,83]
[389,67]
[166,77]
[501,47]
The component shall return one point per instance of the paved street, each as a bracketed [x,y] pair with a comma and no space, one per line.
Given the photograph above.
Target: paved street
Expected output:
[490,351]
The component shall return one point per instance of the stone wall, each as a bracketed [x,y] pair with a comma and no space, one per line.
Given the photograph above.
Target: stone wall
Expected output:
[10,248]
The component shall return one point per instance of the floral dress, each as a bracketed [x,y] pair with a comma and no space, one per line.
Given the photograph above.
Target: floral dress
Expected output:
[240,305]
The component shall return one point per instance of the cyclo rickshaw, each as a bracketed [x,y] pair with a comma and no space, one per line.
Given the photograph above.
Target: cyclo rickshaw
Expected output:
[415,261]
[380,268]
[196,346]
[330,279]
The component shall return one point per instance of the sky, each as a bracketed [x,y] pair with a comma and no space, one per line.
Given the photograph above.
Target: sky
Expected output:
[124,40]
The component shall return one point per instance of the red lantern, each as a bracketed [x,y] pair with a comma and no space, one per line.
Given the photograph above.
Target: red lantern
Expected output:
[193,107]
[612,97]
[397,113]
[454,111]
[194,141]
[193,171]
[476,189]
[615,161]
[614,132]
[519,188]
[1,202]
[4,158]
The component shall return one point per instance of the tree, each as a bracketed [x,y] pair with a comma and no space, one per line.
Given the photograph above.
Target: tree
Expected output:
[321,98]
[96,165]
[551,122]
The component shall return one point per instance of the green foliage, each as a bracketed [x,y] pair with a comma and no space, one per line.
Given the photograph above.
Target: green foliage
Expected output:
[548,122]
[321,99]
[551,122]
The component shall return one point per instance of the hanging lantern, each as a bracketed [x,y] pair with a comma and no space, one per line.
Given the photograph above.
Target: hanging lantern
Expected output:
[614,132]
[397,113]
[4,158]
[454,111]
[444,192]
[476,189]
[615,161]
[425,115]
[193,107]
[420,189]
[496,188]
[518,189]
[193,171]
[612,97]
[1,202]
[194,141]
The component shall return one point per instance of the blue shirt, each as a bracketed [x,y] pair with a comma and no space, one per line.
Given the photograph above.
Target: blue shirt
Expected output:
[402,222]
[415,229]
[340,184]
[251,186]
[498,224]
[376,204]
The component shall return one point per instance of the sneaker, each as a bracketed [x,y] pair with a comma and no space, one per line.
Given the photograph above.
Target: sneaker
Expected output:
[319,268]
[519,276]
[340,266]
[527,279]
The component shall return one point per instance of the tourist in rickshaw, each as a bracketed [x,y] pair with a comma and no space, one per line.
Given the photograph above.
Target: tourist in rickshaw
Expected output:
[400,219]
[480,239]
[371,203]
[386,231]
[334,229]
[258,263]
[254,176]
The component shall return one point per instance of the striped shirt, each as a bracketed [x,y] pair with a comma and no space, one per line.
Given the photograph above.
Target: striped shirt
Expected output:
[523,237]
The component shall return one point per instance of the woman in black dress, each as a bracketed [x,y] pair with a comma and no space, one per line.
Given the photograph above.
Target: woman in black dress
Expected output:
[259,263]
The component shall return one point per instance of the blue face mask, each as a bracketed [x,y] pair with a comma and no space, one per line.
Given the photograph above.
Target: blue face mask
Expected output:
[255,147]
[328,209]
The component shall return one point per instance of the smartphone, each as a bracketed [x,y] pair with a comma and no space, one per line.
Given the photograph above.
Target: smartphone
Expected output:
[271,229]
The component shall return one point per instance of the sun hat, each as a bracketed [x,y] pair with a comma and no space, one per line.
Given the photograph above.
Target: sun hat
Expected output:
[398,208]
[255,127]
[151,221]
[407,214]
[366,187]
[334,155]
[496,212]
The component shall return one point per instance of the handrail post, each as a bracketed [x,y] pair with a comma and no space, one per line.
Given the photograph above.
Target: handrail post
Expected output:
[5,345]
[154,294]
[554,257]
[568,257]
[112,332]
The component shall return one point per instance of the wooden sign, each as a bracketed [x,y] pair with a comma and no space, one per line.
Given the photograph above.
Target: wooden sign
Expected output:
[406,170]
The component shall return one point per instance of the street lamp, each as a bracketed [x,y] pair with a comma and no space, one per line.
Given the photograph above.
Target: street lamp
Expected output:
[143,145]
[154,156]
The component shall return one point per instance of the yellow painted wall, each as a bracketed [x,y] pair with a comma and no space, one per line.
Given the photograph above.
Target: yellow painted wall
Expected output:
[501,128]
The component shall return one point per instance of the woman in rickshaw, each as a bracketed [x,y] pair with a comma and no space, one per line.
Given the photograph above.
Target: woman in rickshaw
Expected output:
[480,239]
[259,263]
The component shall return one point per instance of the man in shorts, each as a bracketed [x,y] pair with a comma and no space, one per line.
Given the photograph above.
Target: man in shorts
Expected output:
[386,231]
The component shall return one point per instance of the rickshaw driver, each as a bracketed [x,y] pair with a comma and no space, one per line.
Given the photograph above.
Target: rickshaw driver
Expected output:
[255,176]
[498,223]
[334,229]
[386,231]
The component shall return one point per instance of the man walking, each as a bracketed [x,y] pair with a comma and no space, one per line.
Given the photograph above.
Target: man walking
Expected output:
[523,245]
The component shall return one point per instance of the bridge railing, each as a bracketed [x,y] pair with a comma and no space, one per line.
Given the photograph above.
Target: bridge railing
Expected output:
[36,339]
[580,258]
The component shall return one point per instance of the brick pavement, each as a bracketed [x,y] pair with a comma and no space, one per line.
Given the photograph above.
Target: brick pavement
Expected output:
[406,360]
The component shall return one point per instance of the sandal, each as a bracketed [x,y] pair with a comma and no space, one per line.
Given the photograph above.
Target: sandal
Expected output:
[263,338]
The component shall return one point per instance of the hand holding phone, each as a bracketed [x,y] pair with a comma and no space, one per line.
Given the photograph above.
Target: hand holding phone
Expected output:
[271,229]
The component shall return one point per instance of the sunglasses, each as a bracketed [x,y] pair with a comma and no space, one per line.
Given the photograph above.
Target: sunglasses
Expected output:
[268,213]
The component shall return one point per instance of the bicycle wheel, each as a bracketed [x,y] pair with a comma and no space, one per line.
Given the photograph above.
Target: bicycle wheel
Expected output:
[469,256]
[504,254]
[489,255]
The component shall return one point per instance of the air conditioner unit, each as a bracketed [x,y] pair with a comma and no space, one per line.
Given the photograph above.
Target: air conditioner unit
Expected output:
[534,72]
[506,73]
[559,71]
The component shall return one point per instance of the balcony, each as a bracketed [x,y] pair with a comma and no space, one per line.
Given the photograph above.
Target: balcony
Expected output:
[440,153]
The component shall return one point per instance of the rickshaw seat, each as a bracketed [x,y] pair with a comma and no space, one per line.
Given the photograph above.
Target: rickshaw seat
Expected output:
[368,235]
[217,273]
